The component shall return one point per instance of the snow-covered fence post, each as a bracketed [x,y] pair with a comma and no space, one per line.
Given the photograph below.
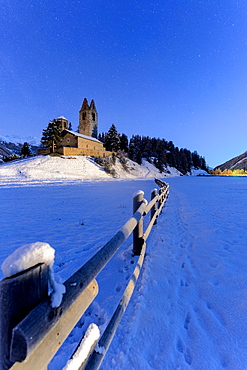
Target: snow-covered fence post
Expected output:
[161,195]
[154,208]
[138,231]
[19,294]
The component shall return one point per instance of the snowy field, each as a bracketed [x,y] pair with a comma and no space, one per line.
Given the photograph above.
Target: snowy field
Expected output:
[189,308]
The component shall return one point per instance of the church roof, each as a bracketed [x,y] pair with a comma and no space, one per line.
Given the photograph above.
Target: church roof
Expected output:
[62,117]
[85,104]
[92,105]
[81,135]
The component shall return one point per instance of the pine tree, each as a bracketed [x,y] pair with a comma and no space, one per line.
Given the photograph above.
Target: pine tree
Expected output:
[112,139]
[203,164]
[184,164]
[161,153]
[196,160]
[25,150]
[101,137]
[51,135]
[135,152]
[147,146]
[124,143]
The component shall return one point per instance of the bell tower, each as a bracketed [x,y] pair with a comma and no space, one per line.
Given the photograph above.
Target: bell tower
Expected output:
[88,119]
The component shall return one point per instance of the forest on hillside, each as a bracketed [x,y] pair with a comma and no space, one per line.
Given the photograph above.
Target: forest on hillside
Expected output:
[158,151]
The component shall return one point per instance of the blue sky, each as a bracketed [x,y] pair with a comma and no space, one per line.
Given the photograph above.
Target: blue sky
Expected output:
[174,69]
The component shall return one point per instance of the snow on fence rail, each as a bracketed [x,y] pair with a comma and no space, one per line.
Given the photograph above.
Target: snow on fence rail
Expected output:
[32,330]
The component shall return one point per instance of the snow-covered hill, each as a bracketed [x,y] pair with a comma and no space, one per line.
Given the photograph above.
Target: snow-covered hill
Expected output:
[48,169]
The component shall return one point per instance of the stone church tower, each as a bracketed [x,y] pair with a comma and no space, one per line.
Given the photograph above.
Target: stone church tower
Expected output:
[88,119]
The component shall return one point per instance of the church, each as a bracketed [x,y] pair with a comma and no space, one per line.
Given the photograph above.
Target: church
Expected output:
[83,142]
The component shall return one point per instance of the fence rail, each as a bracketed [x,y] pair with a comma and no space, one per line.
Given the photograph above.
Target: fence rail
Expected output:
[33,342]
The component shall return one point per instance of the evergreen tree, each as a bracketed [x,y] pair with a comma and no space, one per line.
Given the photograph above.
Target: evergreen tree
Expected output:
[161,161]
[101,137]
[196,159]
[112,139]
[135,152]
[189,159]
[184,164]
[25,150]
[51,135]
[124,143]
[147,148]
[203,164]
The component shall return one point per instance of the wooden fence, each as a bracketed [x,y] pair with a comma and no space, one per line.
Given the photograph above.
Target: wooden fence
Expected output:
[30,336]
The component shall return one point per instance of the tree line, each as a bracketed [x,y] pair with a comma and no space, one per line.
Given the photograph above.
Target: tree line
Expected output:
[158,151]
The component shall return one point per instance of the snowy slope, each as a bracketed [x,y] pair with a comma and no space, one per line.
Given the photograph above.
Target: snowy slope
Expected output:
[47,169]
[189,306]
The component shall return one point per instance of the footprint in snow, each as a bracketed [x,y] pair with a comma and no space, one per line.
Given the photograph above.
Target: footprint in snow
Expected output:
[180,345]
[187,321]
[217,315]
[185,351]
[118,288]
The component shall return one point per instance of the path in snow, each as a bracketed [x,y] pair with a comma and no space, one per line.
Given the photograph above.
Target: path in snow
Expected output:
[189,310]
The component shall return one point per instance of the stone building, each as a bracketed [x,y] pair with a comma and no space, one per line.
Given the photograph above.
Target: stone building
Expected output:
[74,143]
[83,142]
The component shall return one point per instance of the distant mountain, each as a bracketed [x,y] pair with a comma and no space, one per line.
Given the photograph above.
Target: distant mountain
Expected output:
[13,143]
[15,139]
[4,152]
[237,163]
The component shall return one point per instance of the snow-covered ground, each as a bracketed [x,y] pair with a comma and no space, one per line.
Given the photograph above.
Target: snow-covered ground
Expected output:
[189,307]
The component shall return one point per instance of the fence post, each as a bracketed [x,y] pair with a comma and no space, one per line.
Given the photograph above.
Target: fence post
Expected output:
[19,294]
[138,231]
[161,195]
[154,208]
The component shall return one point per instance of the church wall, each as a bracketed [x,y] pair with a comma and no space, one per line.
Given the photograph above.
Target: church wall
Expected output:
[89,144]
[69,140]
[75,145]
[79,151]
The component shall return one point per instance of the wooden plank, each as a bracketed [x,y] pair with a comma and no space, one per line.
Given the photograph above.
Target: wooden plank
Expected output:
[152,202]
[19,294]
[87,355]
[155,215]
[47,347]
[35,326]
[106,338]
[160,183]
[150,225]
